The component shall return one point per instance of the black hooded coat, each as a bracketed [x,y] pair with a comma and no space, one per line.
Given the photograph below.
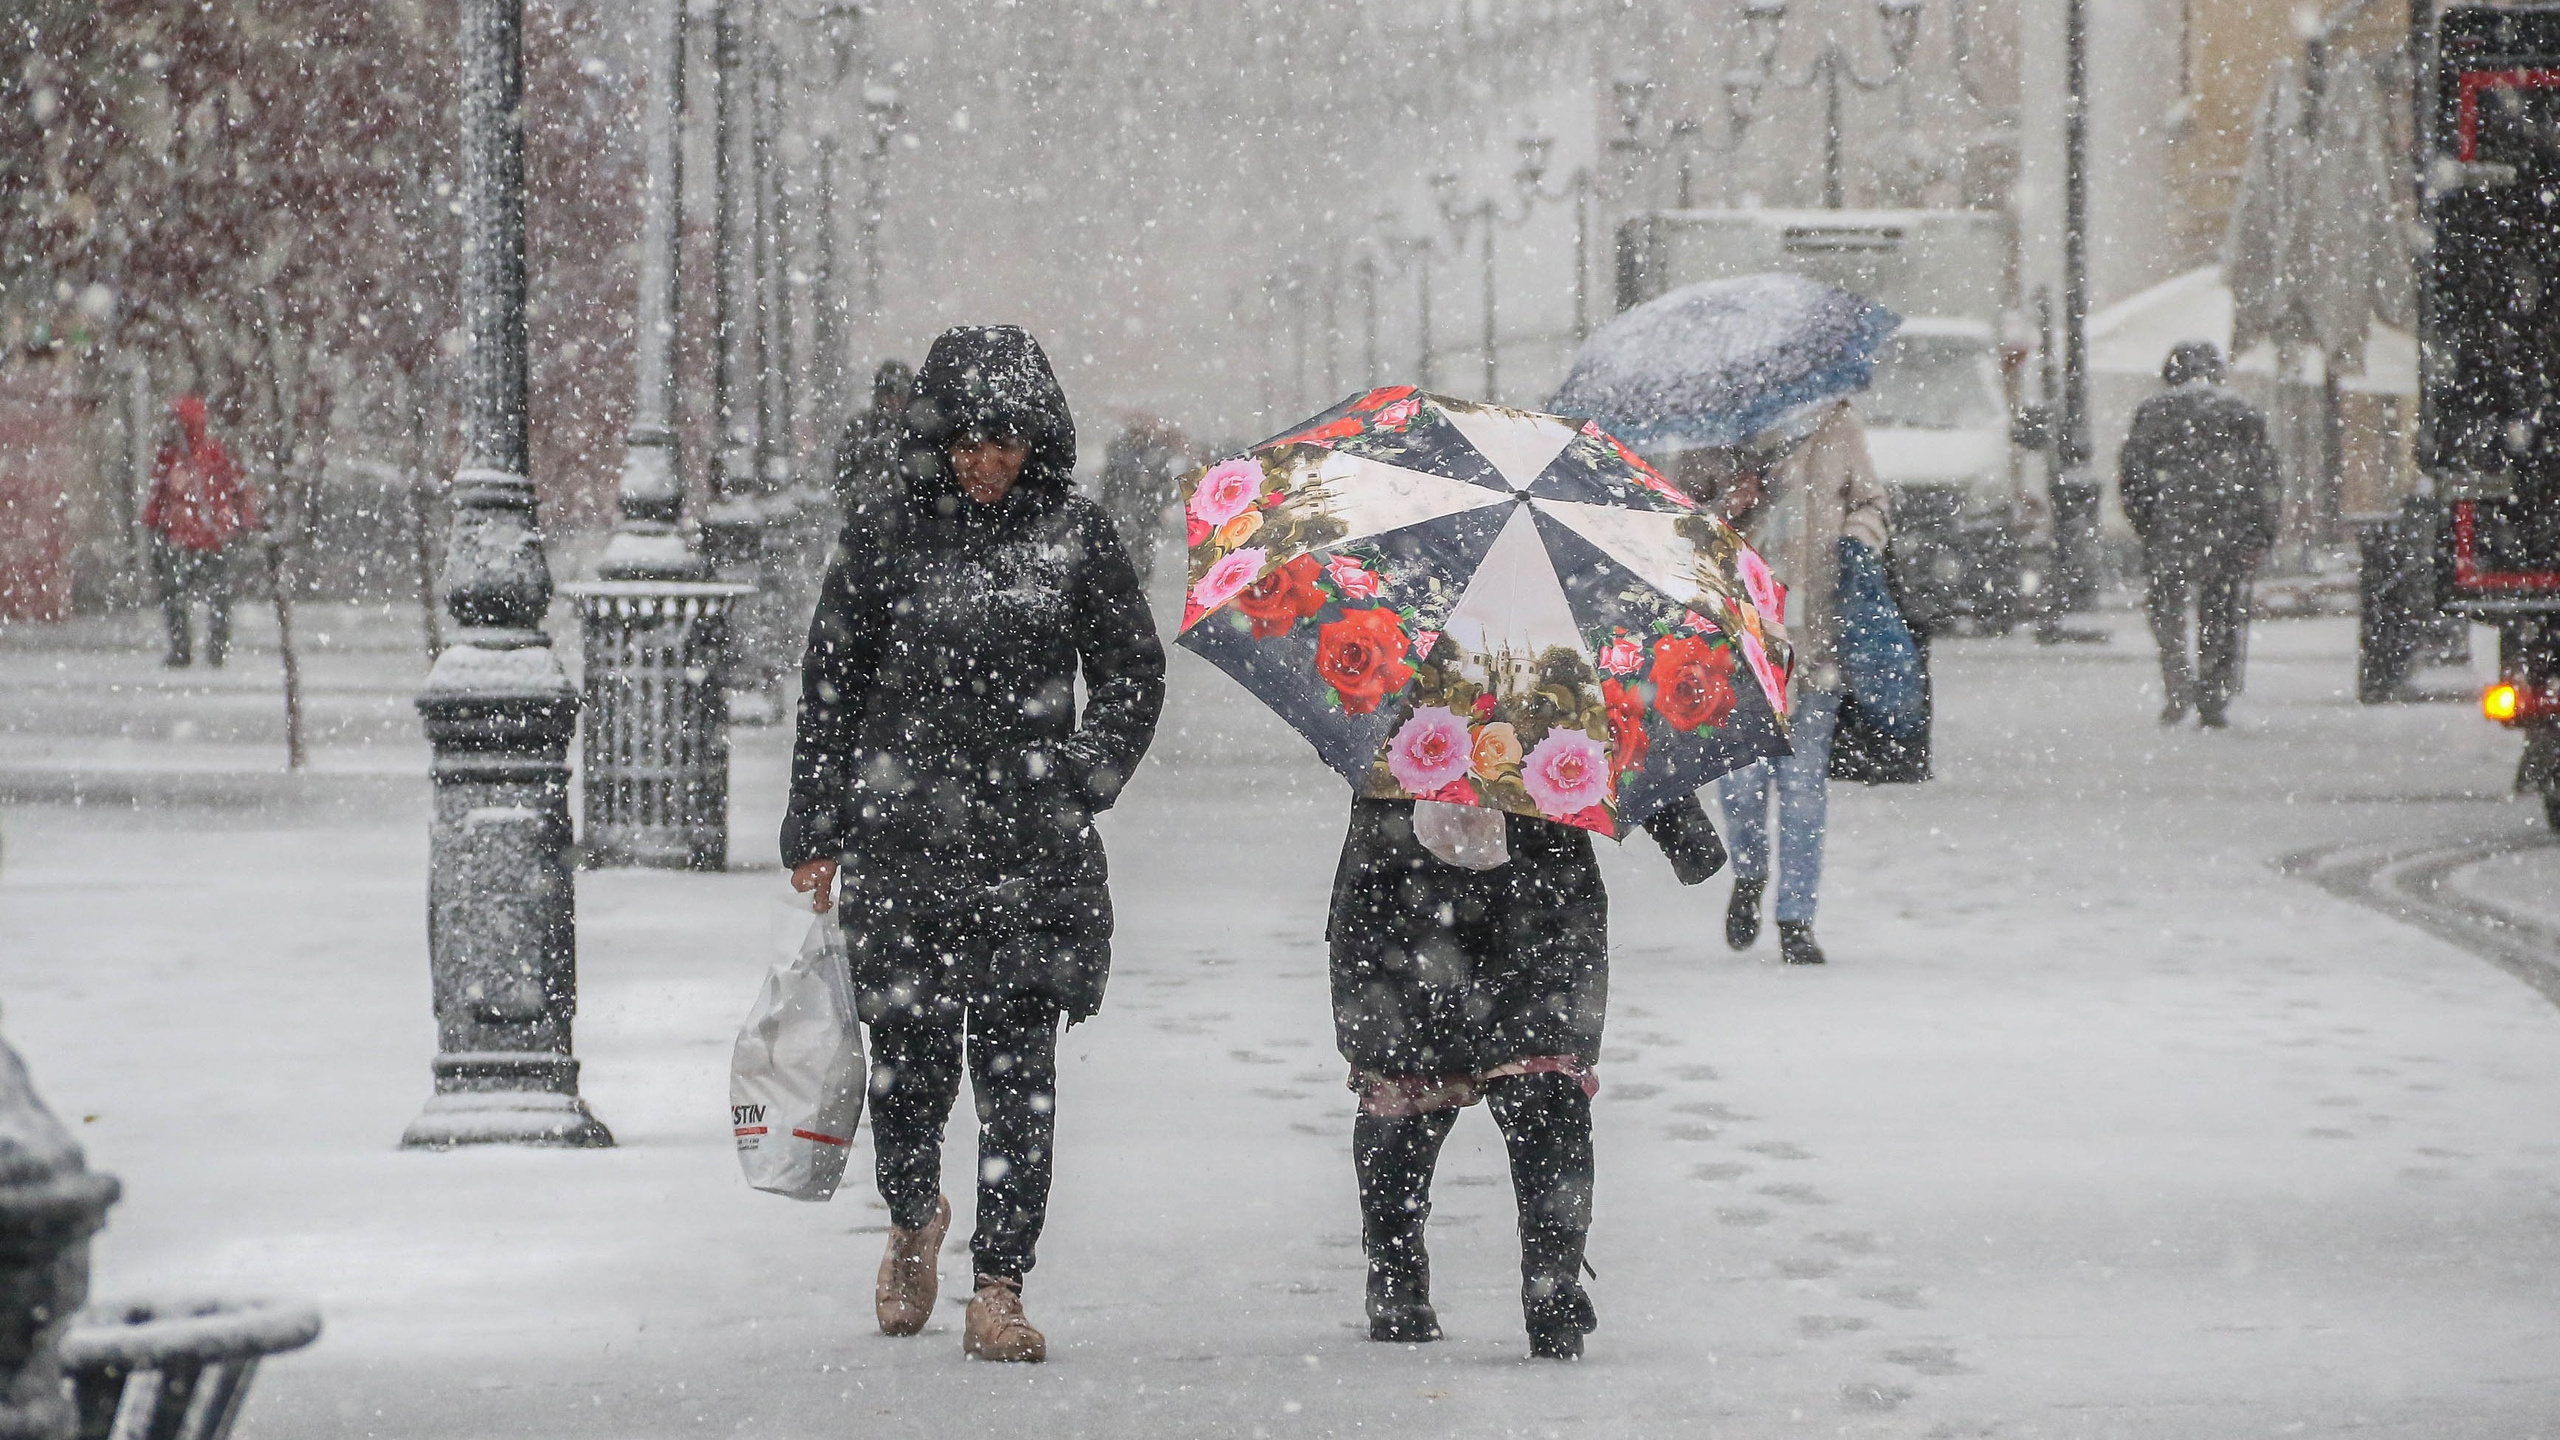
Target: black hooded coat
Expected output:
[940,754]
[1438,970]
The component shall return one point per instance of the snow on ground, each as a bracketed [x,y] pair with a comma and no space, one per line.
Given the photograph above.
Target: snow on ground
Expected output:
[2096,1126]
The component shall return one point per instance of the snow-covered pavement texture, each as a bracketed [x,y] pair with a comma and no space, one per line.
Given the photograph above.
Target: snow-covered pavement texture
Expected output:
[2098,1123]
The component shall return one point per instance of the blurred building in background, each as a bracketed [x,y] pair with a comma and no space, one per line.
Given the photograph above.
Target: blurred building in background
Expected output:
[1223,213]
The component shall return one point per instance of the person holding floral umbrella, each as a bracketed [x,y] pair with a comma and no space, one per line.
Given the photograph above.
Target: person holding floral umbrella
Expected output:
[1509,633]
[1453,984]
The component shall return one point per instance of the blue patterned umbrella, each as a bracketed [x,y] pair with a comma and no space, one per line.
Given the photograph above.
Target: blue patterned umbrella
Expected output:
[1721,361]
[1482,606]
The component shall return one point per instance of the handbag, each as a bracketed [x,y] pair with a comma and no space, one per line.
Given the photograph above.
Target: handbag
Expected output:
[1878,657]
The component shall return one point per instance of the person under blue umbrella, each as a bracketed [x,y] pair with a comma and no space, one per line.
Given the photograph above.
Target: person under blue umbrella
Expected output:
[1806,497]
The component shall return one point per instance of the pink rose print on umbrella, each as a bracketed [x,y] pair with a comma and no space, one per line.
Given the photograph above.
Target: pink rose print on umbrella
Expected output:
[1226,491]
[1773,682]
[1434,749]
[1622,656]
[1698,622]
[1352,579]
[1566,774]
[1398,415]
[1423,640]
[1228,578]
[1766,595]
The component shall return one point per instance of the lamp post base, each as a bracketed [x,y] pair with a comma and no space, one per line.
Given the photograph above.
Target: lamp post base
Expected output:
[505,1117]
[498,1098]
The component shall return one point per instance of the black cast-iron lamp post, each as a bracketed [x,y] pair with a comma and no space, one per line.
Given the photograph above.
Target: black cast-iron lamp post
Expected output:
[499,710]
[656,751]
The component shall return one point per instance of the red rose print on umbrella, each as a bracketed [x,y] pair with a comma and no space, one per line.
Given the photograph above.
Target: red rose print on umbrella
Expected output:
[1362,656]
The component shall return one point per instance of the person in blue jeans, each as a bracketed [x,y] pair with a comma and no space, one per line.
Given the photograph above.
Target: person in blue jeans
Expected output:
[1803,786]
[1795,494]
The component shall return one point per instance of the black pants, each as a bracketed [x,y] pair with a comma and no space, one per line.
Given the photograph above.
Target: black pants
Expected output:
[2214,587]
[187,576]
[1546,1125]
[1013,1072]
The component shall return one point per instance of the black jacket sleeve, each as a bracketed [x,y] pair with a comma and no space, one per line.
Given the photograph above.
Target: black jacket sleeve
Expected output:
[2136,463]
[1688,839]
[2259,467]
[846,636]
[1123,665]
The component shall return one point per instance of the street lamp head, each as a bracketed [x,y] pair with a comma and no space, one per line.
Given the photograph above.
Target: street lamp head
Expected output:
[1901,20]
[1763,25]
[1534,150]
[881,104]
[1444,193]
[1742,98]
[1630,93]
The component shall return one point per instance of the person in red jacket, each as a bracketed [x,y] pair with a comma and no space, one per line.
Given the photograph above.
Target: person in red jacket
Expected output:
[199,504]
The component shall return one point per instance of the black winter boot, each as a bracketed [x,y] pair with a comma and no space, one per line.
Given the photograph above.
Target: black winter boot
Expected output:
[1546,1122]
[1795,943]
[1395,1157]
[1742,913]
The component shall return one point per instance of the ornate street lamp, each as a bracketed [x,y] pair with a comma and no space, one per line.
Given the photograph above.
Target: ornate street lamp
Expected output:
[731,524]
[647,544]
[1461,216]
[501,941]
[885,113]
[656,751]
[1764,28]
[839,25]
[1535,149]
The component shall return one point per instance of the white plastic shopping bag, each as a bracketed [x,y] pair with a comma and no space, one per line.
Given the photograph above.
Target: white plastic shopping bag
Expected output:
[1467,836]
[796,1079]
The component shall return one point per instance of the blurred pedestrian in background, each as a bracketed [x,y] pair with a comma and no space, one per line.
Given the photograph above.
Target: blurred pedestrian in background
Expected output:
[1138,470]
[2199,483]
[867,456]
[941,763]
[199,504]
[1807,499]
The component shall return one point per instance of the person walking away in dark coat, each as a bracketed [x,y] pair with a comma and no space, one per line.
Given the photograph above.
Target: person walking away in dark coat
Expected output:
[867,457]
[2199,482]
[943,774]
[199,504]
[1453,984]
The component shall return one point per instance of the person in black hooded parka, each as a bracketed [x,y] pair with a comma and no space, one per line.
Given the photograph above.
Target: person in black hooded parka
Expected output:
[1453,984]
[940,758]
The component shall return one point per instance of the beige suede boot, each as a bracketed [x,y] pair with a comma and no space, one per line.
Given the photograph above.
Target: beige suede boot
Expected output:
[997,1329]
[904,1296]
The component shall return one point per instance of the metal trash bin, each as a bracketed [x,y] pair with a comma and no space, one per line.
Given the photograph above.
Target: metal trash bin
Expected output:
[655,757]
[174,1369]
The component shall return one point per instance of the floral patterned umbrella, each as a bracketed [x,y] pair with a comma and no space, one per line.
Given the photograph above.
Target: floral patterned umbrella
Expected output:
[1483,606]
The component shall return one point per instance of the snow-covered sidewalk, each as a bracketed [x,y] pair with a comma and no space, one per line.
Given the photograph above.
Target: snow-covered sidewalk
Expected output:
[2097,1125]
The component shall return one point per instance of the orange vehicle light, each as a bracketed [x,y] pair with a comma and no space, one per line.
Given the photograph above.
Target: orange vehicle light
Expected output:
[2500,702]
